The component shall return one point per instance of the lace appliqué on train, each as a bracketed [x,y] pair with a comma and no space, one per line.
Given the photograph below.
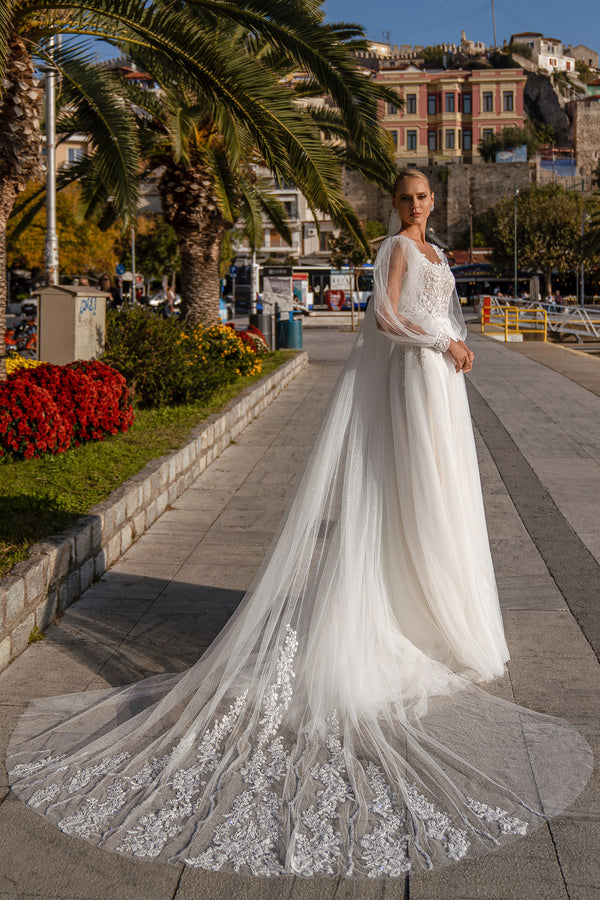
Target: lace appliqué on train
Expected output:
[318,842]
[249,833]
[154,829]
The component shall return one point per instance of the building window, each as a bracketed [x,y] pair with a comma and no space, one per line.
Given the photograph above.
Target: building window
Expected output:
[450,139]
[487,133]
[467,107]
[431,140]
[411,103]
[324,241]
[508,101]
[275,239]
[392,109]
[431,105]
[291,209]
[488,101]
[411,140]
[394,135]
[449,102]
[467,140]
[74,154]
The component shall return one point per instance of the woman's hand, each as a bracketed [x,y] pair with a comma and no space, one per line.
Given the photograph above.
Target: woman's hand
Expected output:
[462,357]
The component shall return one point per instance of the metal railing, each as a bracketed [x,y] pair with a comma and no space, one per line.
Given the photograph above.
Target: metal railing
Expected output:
[514,319]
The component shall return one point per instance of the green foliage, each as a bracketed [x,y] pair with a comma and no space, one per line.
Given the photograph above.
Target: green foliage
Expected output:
[533,134]
[345,251]
[36,635]
[548,230]
[521,49]
[434,56]
[374,229]
[164,362]
[156,247]
[584,71]
[148,351]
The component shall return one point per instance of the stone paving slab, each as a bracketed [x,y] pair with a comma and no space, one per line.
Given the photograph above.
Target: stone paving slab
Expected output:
[158,608]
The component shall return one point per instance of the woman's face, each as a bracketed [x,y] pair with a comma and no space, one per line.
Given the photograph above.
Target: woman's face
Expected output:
[413,200]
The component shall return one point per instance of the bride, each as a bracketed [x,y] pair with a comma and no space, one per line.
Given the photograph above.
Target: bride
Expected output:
[336,725]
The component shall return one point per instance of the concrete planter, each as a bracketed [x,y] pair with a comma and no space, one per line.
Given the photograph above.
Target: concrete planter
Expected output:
[62,566]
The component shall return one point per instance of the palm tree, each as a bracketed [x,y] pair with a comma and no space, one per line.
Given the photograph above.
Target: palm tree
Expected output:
[205,151]
[238,109]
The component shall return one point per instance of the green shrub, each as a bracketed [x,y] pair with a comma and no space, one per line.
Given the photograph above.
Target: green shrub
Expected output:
[166,363]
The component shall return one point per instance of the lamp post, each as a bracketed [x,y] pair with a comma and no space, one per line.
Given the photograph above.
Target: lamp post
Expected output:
[516,195]
[51,239]
[584,218]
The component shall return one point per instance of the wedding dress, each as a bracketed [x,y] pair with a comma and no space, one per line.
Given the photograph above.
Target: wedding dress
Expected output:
[336,725]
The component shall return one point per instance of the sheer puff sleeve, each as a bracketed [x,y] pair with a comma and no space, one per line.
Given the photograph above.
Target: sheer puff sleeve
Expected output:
[408,310]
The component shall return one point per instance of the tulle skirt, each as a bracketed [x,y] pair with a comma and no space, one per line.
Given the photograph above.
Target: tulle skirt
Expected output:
[336,725]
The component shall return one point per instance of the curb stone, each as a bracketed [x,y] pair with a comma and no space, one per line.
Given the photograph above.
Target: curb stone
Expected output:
[60,568]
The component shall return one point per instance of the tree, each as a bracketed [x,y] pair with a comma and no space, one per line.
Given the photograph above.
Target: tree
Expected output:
[156,248]
[548,230]
[85,248]
[207,153]
[533,134]
[346,251]
[92,101]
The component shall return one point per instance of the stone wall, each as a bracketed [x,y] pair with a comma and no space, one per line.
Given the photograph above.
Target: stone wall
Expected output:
[586,134]
[61,567]
[455,186]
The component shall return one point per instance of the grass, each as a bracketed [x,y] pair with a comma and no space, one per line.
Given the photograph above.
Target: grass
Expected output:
[39,497]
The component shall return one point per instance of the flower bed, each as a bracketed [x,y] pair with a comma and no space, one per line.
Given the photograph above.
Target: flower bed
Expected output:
[48,408]
[166,362]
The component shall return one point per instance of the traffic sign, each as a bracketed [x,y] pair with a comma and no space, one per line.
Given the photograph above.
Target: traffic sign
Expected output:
[233,271]
[120,269]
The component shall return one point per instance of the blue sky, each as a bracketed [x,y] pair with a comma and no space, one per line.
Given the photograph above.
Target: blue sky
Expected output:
[440,21]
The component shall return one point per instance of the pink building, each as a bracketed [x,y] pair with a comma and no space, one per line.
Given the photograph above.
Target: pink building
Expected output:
[446,112]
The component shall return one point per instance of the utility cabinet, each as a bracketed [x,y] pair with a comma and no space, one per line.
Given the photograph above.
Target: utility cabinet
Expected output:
[71,323]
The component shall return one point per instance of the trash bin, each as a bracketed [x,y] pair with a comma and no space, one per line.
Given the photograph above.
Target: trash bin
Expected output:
[294,333]
[289,333]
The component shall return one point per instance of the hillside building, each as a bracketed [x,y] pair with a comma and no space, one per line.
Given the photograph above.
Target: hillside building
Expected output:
[547,53]
[446,112]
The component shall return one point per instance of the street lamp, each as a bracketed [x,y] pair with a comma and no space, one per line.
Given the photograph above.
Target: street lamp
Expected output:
[51,239]
[516,194]
[584,218]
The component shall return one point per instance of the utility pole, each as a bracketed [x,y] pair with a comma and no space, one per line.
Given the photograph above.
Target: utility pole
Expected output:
[470,233]
[51,240]
[583,217]
[494,24]
[516,195]
[133,274]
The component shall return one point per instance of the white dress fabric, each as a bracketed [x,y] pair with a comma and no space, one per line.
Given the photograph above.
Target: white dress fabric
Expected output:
[336,725]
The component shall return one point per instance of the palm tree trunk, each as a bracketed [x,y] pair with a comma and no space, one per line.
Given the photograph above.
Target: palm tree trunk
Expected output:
[190,206]
[20,149]
[7,199]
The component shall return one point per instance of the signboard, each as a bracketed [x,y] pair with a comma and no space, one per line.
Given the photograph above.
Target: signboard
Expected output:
[120,269]
[277,287]
[233,271]
[512,154]
[300,288]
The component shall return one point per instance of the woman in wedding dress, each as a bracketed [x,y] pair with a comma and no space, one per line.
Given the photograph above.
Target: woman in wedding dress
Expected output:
[336,725]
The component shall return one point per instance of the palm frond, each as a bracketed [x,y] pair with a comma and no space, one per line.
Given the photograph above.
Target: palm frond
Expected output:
[92,104]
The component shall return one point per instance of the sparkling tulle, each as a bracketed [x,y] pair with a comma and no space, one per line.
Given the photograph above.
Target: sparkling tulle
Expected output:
[336,725]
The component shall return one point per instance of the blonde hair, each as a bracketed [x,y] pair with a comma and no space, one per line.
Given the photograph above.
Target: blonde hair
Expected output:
[409,172]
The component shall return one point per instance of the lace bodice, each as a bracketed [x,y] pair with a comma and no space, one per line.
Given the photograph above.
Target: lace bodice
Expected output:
[433,299]
[438,283]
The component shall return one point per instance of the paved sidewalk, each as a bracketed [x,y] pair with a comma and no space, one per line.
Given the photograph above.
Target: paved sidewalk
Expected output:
[538,436]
